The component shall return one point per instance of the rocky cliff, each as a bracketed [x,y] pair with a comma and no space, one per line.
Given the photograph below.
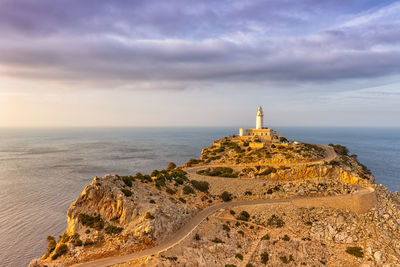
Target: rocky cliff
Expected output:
[315,226]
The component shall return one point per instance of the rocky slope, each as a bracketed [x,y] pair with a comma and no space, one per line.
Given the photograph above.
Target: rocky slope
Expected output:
[117,215]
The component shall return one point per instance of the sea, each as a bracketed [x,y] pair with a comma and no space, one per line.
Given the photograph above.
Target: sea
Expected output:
[42,171]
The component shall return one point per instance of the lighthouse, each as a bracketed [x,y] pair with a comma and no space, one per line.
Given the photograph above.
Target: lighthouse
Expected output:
[259,118]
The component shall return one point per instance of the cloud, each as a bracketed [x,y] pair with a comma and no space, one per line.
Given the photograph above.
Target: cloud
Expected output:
[175,44]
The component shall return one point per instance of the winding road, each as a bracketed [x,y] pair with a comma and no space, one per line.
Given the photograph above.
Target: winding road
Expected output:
[192,224]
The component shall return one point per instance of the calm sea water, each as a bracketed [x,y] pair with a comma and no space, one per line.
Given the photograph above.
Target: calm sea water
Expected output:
[43,170]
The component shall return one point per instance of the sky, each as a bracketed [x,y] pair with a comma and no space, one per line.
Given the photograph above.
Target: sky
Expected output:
[199,63]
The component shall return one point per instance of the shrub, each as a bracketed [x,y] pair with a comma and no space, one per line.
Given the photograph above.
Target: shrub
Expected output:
[249,265]
[127,180]
[341,150]
[230,265]
[113,230]
[51,245]
[275,221]
[285,260]
[232,212]
[171,166]
[226,227]
[241,232]
[239,256]
[217,240]
[60,250]
[90,221]
[219,171]
[182,200]
[152,201]
[170,191]
[154,173]
[286,238]
[126,192]
[160,181]
[64,238]
[192,161]
[148,216]
[88,242]
[243,216]
[264,257]
[77,242]
[188,190]
[200,185]
[225,196]
[197,237]
[282,139]
[172,258]
[355,251]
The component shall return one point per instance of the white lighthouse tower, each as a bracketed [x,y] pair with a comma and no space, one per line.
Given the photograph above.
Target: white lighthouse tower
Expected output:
[259,118]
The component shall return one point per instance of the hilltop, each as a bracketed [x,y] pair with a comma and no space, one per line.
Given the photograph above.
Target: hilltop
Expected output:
[239,204]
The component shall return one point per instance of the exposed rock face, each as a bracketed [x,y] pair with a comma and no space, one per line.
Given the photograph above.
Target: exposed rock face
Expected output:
[124,222]
[105,198]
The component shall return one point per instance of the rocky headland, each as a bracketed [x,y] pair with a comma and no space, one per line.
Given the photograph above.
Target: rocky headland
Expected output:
[237,205]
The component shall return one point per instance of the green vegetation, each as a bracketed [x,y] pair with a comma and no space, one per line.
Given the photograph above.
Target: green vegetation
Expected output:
[264,257]
[233,146]
[341,150]
[249,265]
[243,216]
[113,230]
[200,185]
[188,190]
[239,256]
[219,171]
[88,242]
[171,166]
[90,221]
[60,250]
[226,227]
[152,201]
[286,238]
[355,251]
[232,212]
[172,258]
[182,200]
[197,237]
[128,180]
[241,232]
[51,241]
[192,162]
[64,238]
[230,265]
[75,240]
[170,191]
[285,260]
[282,139]
[226,196]
[217,240]
[248,193]
[275,221]
[126,192]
